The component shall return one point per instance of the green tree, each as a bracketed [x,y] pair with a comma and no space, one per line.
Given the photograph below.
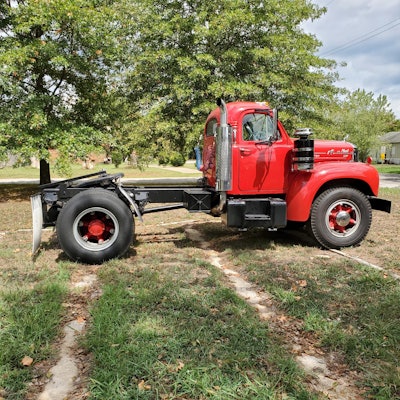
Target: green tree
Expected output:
[55,59]
[193,51]
[363,118]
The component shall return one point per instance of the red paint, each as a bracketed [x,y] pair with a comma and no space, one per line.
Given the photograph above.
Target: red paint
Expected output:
[96,228]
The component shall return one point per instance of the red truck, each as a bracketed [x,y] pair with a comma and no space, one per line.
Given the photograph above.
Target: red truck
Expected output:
[254,176]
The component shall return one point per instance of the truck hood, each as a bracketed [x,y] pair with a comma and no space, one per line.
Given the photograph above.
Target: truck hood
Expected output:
[332,150]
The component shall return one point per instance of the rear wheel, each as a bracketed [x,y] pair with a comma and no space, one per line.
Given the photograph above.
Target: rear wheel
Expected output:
[340,217]
[95,226]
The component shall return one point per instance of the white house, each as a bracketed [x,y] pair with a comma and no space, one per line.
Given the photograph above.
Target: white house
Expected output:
[390,149]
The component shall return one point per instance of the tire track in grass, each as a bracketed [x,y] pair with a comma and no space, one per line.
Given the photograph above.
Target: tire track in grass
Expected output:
[335,383]
[396,277]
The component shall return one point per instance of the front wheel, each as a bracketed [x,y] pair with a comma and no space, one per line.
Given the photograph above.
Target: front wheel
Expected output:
[95,226]
[340,217]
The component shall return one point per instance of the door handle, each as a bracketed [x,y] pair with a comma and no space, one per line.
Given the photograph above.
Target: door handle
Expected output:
[245,152]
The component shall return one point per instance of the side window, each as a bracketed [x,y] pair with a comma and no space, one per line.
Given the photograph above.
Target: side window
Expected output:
[257,127]
[211,127]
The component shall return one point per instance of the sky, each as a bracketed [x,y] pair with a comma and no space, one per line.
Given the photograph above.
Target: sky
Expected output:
[365,34]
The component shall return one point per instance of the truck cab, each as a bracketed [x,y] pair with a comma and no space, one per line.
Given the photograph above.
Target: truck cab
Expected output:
[260,160]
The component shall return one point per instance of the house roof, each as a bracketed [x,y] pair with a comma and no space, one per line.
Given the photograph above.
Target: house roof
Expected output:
[391,137]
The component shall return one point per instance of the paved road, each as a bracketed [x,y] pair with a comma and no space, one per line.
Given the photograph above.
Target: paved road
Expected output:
[386,181]
[389,180]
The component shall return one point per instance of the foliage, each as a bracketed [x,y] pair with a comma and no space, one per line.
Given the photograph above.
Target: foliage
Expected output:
[361,119]
[364,119]
[176,159]
[193,52]
[56,88]
[142,75]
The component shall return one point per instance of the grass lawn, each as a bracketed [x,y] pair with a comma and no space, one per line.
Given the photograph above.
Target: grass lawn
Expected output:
[163,323]
[388,168]
[165,327]
[152,171]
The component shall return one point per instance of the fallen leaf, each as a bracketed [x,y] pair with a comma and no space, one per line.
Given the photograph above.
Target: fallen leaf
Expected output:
[302,283]
[175,367]
[180,366]
[142,386]
[27,361]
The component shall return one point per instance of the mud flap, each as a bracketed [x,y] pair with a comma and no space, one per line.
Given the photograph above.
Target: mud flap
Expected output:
[37,221]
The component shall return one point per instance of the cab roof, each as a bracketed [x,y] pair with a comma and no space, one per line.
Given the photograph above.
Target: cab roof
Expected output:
[236,108]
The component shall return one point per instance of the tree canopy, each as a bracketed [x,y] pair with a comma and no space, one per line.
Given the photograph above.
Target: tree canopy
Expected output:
[191,52]
[57,59]
[363,118]
[143,74]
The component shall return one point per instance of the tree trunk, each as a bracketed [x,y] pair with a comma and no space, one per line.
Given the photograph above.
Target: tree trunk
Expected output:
[44,172]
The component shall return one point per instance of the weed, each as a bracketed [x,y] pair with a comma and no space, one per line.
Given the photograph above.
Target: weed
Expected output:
[349,307]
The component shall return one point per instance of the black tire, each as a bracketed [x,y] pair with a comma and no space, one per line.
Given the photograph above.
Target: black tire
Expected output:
[340,217]
[95,226]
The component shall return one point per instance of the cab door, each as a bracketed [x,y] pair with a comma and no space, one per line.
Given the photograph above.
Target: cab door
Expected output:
[263,155]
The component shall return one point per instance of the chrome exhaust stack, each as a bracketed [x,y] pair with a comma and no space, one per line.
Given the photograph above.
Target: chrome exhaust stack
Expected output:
[224,151]
[223,157]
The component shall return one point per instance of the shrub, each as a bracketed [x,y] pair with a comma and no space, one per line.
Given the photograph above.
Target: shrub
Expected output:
[163,158]
[176,159]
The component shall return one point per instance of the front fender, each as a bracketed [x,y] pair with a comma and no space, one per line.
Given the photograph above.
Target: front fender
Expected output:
[304,186]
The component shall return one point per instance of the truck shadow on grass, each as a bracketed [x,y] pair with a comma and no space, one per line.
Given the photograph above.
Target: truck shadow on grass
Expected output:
[222,238]
[51,244]
[16,192]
